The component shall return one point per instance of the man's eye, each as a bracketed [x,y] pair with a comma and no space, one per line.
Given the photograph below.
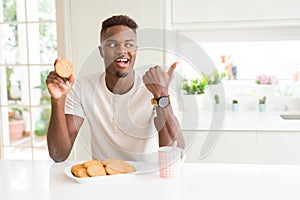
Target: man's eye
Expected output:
[130,45]
[112,45]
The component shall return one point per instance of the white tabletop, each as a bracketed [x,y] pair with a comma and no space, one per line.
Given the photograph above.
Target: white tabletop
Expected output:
[46,180]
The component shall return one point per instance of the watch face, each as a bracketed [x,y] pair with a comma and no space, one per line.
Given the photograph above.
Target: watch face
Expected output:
[163,102]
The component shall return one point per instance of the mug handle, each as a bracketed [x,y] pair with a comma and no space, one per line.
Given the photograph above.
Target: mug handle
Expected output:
[183,154]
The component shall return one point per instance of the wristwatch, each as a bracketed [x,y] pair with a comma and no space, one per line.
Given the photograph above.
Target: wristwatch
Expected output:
[161,102]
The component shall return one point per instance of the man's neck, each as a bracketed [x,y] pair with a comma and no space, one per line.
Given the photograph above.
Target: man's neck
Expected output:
[119,85]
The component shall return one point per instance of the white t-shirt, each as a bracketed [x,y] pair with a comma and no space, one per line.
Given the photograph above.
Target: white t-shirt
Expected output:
[121,125]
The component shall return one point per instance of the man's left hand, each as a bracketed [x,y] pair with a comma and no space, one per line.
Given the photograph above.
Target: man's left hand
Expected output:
[157,80]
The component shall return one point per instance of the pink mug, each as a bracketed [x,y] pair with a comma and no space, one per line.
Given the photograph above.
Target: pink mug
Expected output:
[171,159]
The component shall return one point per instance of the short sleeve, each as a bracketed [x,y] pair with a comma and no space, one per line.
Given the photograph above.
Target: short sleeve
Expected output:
[73,105]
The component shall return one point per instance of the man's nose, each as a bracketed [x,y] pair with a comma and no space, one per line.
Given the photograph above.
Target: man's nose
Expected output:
[122,50]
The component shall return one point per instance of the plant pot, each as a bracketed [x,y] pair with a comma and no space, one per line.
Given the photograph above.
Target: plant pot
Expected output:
[217,107]
[235,107]
[262,107]
[16,129]
[265,90]
[192,103]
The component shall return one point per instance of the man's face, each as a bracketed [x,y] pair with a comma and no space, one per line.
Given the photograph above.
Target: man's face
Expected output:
[118,49]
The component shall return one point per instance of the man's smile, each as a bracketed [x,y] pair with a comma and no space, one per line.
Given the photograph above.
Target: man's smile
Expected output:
[122,62]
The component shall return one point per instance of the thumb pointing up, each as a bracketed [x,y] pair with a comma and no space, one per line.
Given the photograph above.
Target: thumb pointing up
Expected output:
[171,70]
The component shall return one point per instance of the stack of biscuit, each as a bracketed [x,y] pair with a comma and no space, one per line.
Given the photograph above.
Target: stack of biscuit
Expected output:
[93,168]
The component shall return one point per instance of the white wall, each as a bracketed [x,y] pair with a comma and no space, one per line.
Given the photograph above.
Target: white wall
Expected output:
[202,11]
[233,20]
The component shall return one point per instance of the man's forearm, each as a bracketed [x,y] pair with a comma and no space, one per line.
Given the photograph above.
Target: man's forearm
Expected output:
[168,127]
[59,143]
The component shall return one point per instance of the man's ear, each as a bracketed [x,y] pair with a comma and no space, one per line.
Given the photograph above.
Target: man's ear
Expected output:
[101,51]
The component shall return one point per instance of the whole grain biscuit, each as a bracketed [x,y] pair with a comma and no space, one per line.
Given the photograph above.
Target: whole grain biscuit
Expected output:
[108,160]
[81,172]
[110,166]
[86,164]
[110,171]
[96,170]
[115,166]
[75,167]
[64,68]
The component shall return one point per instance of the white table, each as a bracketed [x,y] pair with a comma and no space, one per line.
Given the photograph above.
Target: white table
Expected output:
[46,180]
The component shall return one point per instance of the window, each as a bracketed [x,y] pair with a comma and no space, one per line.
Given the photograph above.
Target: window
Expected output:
[253,58]
[28,47]
[276,59]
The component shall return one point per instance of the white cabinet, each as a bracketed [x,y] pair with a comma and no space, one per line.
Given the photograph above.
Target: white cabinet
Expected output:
[278,147]
[231,147]
[220,13]
[260,147]
[193,144]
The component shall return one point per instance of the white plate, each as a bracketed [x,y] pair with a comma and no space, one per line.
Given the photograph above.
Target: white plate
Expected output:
[140,169]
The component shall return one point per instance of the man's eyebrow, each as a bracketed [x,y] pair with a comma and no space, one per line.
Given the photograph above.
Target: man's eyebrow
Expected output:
[110,40]
[130,40]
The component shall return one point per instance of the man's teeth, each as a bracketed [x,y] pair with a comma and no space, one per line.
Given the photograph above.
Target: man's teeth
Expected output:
[122,60]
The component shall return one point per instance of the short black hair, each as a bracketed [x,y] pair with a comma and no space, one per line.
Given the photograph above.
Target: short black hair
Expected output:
[118,20]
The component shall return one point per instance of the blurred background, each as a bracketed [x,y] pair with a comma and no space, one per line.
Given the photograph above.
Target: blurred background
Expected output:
[248,42]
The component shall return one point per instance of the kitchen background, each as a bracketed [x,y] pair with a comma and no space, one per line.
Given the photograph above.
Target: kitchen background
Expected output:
[262,38]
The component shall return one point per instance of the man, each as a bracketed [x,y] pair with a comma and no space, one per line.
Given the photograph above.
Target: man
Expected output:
[116,103]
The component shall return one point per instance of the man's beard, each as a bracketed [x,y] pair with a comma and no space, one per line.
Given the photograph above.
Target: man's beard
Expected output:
[119,75]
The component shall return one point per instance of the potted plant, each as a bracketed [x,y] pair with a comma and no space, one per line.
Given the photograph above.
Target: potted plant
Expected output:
[16,124]
[262,104]
[193,86]
[193,91]
[235,105]
[217,105]
[266,84]
[266,80]
[215,77]
[214,80]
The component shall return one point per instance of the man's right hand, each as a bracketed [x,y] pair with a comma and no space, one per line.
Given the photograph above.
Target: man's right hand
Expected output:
[58,86]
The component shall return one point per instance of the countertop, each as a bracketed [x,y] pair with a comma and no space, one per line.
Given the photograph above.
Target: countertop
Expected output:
[45,180]
[238,121]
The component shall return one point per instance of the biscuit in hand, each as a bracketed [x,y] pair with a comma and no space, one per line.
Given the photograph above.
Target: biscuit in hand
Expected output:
[64,68]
